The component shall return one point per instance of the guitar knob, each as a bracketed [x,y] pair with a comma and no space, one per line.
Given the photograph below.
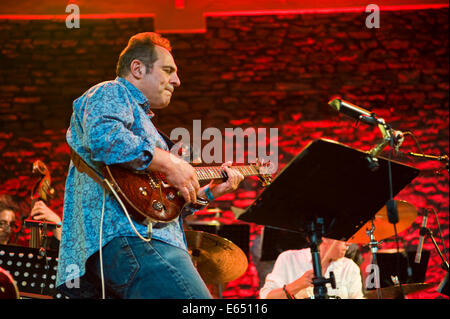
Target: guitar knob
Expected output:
[170,196]
[143,191]
[158,205]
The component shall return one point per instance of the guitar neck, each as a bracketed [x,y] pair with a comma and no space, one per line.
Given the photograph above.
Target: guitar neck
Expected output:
[216,172]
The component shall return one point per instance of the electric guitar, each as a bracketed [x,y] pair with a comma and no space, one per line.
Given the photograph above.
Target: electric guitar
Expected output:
[149,198]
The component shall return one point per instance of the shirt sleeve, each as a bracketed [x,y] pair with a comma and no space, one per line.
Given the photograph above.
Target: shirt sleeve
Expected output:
[277,278]
[109,132]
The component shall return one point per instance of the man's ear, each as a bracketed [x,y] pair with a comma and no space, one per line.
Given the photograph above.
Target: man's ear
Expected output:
[137,69]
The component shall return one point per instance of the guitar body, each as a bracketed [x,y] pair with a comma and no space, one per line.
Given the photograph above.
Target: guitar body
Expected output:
[149,198]
[146,195]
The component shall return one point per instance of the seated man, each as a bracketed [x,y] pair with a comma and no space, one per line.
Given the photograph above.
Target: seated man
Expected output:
[8,224]
[292,274]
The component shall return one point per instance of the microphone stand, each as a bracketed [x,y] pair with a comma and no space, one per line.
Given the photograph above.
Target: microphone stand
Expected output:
[373,244]
[426,232]
[387,138]
[441,158]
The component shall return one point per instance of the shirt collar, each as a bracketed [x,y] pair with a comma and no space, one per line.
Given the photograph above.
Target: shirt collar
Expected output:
[137,94]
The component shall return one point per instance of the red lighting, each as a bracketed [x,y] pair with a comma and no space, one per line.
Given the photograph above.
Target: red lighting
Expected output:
[179,4]
[324,10]
[82,16]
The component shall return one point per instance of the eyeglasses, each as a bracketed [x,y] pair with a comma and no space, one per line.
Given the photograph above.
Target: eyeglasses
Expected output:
[7,226]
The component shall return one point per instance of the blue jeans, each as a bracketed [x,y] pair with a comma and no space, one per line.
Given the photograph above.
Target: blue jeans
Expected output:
[134,269]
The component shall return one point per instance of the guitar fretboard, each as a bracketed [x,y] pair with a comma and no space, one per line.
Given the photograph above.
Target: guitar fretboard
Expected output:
[208,173]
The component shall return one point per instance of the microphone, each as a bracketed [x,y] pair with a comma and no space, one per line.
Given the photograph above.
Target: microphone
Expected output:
[423,232]
[363,115]
[355,112]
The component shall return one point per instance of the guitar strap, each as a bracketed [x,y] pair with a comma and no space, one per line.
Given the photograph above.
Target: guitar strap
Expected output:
[83,167]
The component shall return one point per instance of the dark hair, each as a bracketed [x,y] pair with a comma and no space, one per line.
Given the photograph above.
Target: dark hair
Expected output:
[7,203]
[141,47]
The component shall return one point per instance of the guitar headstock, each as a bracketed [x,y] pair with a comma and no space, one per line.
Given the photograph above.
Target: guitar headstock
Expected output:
[264,169]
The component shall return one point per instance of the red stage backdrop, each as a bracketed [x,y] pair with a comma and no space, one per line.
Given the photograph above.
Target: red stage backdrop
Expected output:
[260,71]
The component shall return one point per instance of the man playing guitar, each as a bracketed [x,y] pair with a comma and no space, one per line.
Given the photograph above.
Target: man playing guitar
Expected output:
[103,252]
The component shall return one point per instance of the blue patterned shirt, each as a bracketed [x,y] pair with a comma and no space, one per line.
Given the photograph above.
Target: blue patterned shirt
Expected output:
[110,124]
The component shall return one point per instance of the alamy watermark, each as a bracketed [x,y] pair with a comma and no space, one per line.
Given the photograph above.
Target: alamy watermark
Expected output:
[73,276]
[262,145]
[73,19]
[373,278]
[373,19]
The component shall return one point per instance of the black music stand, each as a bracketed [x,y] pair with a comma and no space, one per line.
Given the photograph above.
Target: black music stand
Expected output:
[328,190]
[35,274]
[274,241]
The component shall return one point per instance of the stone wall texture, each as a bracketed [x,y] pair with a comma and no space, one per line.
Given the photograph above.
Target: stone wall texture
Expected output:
[267,71]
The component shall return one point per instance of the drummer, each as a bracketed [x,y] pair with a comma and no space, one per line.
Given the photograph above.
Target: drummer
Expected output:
[292,275]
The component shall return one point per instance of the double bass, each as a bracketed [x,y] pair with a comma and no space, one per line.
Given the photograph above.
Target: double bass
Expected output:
[43,191]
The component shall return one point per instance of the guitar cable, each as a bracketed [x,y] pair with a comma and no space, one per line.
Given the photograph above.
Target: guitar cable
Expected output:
[149,230]
[149,225]
[100,248]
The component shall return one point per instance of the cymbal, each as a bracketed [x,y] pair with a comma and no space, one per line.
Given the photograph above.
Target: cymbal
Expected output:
[196,220]
[217,259]
[394,291]
[407,214]
[390,251]
[205,223]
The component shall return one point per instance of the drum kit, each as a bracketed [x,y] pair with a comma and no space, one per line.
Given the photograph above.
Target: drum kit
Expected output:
[219,261]
[381,228]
